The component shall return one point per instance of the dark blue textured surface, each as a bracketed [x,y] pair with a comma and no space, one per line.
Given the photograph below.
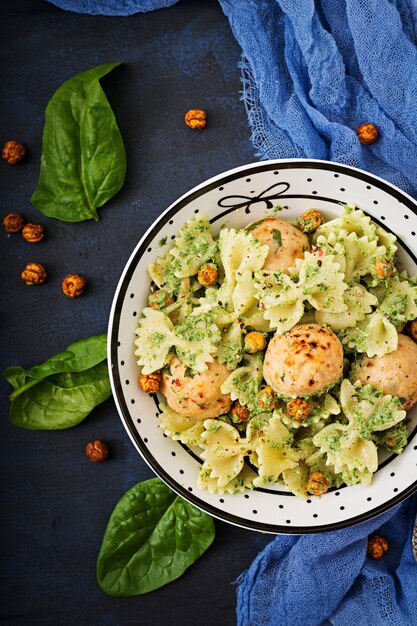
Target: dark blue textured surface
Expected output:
[55,503]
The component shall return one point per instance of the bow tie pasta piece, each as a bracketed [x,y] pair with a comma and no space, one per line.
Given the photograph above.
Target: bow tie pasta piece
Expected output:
[244,383]
[359,303]
[352,220]
[188,430]
[212,302]
[255,319]
[349,447]
[322,283]
[273,452]
[155,337]
[361,255]
[355,255]
[399,300]
[239,253]
[394,439]
[355,237]
[239,484]
[194,245]
[196,340]
[223,451]
[388,241]
[243,295]
[351,457]
[162,274]
[374,336]
[280,298]
[331,245]
[369,409]
[230,350]
[296,479]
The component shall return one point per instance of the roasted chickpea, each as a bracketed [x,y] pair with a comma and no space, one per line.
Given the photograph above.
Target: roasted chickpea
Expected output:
[97,451]
[13,152]
[377,546]
[317,484]
[240,412]
[33,233]
[159,299]
[73,285]
[34,274]
[309,221]
[266,398]
[367,133]
[150,383]
[208,274]
[299,409]
[13,222]
[383,268]
[254,342]
[196,119]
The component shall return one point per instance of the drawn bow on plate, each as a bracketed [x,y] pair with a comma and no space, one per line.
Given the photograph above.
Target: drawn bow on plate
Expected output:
[238,202]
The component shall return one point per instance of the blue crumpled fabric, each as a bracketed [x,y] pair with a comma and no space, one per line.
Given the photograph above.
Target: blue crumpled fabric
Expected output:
[312,72]
[328,579]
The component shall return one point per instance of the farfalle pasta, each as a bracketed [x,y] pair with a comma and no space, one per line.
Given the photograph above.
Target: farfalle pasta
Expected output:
[305,400]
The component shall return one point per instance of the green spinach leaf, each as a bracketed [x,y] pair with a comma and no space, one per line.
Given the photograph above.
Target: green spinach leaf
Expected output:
[79,356]
[61,392]
[152,537]
[83,162]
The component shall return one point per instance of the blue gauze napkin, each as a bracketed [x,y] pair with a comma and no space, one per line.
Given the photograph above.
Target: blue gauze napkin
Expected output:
[312,72]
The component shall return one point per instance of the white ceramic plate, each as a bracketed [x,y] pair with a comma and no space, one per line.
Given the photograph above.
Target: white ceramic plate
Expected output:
[236,198]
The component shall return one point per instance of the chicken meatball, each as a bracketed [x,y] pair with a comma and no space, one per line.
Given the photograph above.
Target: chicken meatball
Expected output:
[303,361]
[199,396]
[285,243]
[394,373]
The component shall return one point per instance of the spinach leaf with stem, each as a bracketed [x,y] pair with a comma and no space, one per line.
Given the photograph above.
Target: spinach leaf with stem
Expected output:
[152,537]
[61,392]
[83,162]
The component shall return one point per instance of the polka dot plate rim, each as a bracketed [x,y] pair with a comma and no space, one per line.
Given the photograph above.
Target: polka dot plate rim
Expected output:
[237,197]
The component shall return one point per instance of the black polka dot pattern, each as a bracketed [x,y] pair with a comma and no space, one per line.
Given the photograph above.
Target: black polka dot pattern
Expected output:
[255,507]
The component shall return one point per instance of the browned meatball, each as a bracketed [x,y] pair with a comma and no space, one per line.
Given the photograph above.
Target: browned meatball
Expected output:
[198,396]
[394,373]
[285,243]
[303,361]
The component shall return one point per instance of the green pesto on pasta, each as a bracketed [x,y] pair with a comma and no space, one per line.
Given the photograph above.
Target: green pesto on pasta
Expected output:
[330,373]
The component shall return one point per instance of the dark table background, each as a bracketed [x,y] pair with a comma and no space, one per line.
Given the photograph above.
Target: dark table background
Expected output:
[55,503]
